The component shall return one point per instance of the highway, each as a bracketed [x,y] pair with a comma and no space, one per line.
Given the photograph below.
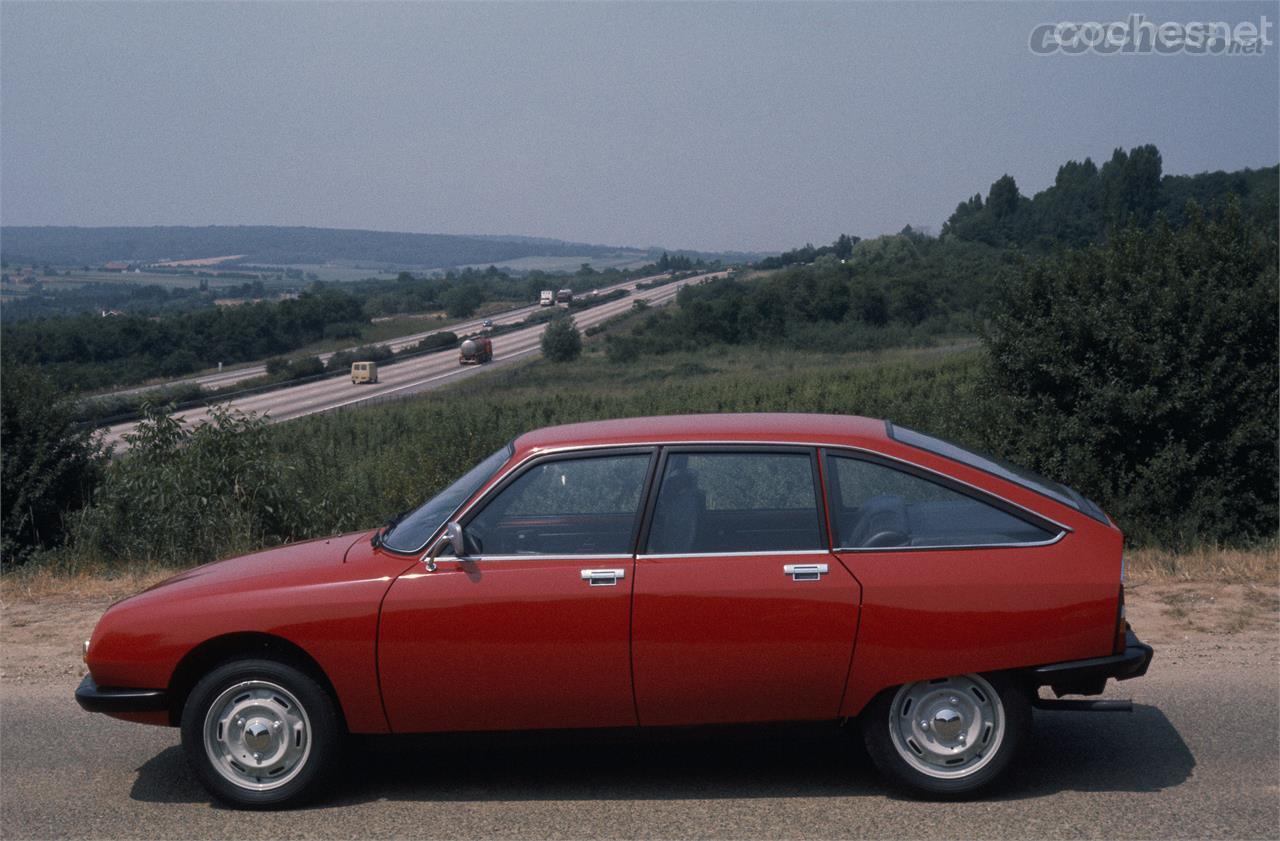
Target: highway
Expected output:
[222,379]
[417,374]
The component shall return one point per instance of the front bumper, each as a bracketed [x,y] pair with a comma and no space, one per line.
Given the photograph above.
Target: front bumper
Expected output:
[96,699]
[1088,677]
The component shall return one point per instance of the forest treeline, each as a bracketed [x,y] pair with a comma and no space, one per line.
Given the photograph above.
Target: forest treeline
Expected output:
[1134,358]
[89,351]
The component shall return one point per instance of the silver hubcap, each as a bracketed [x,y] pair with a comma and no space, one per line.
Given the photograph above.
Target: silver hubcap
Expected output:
[947,728]
[257,735]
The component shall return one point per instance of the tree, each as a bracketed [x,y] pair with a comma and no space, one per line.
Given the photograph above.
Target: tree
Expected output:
[1144,373]
[1003,198]
[561,341]
[462,300]
[49,464]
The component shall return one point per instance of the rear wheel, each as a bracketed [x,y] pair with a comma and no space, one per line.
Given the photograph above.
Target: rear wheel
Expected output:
[947,737]
[260,733]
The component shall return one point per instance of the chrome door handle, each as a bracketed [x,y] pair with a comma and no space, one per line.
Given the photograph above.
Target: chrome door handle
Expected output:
[804,572]
[603,577]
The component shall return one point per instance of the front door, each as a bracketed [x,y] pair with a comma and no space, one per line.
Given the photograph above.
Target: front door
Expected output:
[741,612]
[531,629]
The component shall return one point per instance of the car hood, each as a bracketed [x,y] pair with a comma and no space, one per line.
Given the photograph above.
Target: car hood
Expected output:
[271,565]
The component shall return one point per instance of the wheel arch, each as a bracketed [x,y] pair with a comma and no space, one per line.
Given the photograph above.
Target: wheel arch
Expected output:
[242,645]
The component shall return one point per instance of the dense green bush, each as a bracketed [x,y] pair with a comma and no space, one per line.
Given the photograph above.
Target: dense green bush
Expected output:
[561,341]
[1144,373]
[49,463]
[183,495]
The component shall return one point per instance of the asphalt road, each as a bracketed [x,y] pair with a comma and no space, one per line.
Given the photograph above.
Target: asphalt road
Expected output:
[414,375]
[1199,758]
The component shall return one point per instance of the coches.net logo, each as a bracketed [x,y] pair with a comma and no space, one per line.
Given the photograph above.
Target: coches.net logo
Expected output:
[1136,35]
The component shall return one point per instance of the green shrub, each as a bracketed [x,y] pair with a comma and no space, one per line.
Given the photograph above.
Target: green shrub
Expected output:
[1144,373]
[49,463]
[307,366]
[184,495]
[561,341]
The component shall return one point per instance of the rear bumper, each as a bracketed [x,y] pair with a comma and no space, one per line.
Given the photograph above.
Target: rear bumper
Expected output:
[1087,677]
[96,699]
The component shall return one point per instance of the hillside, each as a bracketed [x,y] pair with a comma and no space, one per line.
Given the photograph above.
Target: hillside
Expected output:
[266,244]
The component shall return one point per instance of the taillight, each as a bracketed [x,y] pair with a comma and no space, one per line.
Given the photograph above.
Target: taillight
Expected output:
[1122,626]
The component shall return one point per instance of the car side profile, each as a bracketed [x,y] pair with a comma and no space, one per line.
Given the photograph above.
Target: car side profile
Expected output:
[648,572]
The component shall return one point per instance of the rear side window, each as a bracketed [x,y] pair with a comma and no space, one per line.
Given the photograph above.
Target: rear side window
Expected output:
[736,502]
[878,507]
[999,467]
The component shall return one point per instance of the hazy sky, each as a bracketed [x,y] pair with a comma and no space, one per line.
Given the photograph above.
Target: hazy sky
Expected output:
[720,126]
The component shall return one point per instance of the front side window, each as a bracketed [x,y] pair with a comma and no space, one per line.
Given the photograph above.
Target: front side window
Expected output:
[578,506]
[736,502]
[874,506]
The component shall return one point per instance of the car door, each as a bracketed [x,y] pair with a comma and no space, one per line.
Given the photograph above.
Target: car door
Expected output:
[740,613]
[956,580]
[531,627]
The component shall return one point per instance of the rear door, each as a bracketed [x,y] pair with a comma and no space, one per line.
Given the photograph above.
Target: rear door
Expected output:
[531,629]
[741,613]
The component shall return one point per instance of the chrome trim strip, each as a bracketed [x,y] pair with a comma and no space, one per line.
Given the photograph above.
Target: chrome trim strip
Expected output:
[1025,545]
[531,556]
[777,553]
[533,454]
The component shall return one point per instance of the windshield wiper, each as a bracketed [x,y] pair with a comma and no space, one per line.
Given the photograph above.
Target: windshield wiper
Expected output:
[376,541]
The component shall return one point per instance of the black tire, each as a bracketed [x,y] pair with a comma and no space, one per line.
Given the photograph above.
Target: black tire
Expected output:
[301,727]
[879,719]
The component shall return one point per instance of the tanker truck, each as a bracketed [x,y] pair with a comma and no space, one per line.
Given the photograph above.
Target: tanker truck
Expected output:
[476,351]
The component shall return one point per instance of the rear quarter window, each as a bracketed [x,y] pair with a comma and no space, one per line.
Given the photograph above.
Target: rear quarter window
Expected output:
[875,506]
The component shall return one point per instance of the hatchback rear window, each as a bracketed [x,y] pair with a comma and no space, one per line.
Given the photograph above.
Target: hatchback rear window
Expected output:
[998,467]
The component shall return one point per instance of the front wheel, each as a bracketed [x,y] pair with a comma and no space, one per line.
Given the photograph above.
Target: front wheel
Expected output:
[260,733]
[950,736]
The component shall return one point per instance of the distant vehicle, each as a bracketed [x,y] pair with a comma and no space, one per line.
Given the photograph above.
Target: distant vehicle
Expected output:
[548,298]
[364,372]
[487,324]
[564,296]
[476,352]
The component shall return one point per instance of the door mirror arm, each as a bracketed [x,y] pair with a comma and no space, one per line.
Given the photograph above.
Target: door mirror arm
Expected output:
[452,537]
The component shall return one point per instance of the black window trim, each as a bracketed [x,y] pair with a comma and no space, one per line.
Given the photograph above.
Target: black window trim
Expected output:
[568,450]
[473,510]
[1058,530]
[456,514]
[1076,501]
[824,535]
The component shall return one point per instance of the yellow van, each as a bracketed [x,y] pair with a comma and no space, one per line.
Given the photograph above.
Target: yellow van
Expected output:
[364,372]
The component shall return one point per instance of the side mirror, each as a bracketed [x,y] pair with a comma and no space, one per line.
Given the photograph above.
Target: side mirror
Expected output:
[452,537]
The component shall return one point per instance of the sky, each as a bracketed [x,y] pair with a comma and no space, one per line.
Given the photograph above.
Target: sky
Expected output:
[757,126]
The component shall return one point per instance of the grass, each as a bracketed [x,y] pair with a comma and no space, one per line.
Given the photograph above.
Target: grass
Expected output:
[50,579]
[1205,563]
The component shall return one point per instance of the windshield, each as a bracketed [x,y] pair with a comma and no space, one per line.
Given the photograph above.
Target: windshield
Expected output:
[998,467]
[411,532]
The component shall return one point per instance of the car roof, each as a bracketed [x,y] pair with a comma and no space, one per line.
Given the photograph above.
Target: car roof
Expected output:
[780,428]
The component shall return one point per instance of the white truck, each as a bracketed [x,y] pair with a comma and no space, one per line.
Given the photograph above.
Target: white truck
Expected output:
[548,298]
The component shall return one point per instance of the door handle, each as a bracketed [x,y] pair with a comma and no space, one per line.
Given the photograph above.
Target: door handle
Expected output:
[603,577]
[804,572]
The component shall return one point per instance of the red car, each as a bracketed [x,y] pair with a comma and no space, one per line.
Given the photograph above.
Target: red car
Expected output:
[649,572]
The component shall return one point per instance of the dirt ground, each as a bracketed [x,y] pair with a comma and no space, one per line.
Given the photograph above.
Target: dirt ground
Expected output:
[41,630]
